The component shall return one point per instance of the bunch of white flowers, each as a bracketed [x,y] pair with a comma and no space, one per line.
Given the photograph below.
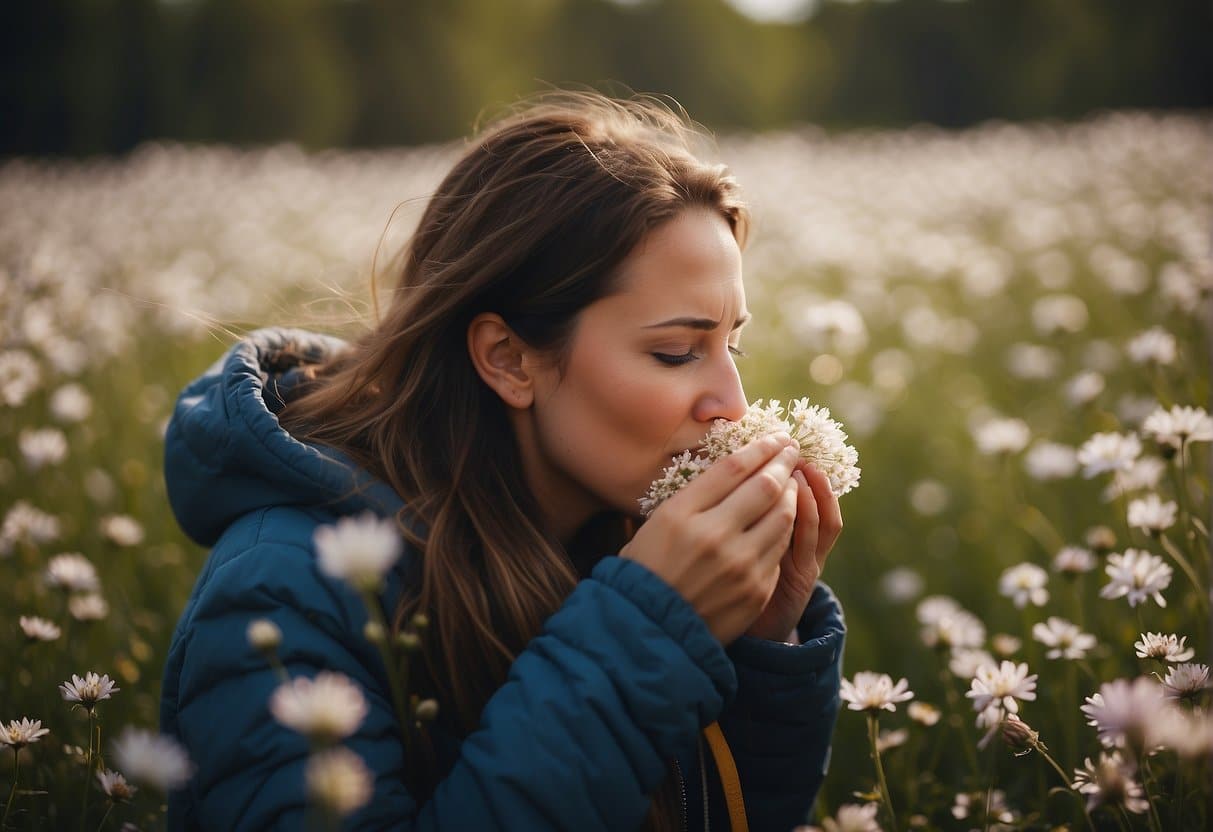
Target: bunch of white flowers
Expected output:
[823,444]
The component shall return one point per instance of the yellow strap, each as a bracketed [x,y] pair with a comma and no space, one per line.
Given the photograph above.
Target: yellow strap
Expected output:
[727,770]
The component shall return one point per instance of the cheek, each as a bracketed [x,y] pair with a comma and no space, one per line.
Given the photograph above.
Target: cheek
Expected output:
[636,412]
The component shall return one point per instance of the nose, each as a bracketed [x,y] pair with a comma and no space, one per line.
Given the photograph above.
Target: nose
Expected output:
[723,396]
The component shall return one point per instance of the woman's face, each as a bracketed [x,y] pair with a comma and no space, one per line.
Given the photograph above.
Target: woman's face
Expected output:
[649,369]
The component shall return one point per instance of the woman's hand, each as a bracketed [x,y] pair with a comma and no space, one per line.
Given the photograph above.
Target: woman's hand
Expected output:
[818,524]
[720,540]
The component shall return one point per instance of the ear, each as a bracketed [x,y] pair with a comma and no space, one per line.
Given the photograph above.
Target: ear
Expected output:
[500,358]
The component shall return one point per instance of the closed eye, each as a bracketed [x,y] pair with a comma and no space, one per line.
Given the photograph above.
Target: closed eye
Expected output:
[689,356]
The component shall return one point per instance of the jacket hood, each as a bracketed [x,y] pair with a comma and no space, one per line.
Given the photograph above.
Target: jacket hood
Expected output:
[226,455]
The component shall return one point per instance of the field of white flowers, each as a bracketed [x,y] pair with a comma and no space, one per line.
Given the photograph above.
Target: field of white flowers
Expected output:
[1011,321]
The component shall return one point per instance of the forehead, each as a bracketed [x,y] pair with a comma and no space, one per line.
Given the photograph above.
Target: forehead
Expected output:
[691,263]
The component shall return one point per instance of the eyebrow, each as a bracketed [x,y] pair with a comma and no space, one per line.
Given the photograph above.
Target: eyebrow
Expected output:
[706,324]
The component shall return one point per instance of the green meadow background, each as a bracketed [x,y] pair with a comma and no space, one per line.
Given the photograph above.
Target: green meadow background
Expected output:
[919,269]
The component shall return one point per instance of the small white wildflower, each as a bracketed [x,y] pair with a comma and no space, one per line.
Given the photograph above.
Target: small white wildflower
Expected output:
[874,692]
[823,444]
[822,441]
[1122,709]
[73,572]
[1003,685]
[263,635]
[88,607]
[929,497]
[923,713]
[1005,644]
[19,376]
[1101,539]
[326,709]
[1084,388]
[1142,474]
[1032,361]
[1154,346]
[358,550]
[681,471]
[122,529]
[1110,783]
[1133,409]
[1074,560]
[42,447]
[829,325]
[960,629]
[71,403]
[934,607]
[99,486]
[1002,436]
[891,739]
[1187,733]
[1050,461]
[973,804]
[1185,681]
[20,733]
[901,584]
[852,817]
[39,629]
[24,522]
[1024,583]
[1108,452]
[88,691]
[338,781]
[152,760]
[964,661]
[1059,313]
[115,786]
[1064,639]
[1178,425]
[1138,575]
[1167,648]
[1179,288]
[1151,514]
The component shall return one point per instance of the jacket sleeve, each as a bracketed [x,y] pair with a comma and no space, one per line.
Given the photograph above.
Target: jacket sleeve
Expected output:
[622,677]
[780,724]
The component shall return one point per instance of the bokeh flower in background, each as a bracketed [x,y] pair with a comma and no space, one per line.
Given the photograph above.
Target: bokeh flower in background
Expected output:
[151,759]
[1137,576]
[325,709]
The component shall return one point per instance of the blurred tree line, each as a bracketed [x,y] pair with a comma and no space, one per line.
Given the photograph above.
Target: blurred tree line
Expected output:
[92,76]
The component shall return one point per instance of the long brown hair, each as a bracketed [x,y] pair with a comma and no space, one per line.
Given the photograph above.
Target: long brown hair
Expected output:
[532,223]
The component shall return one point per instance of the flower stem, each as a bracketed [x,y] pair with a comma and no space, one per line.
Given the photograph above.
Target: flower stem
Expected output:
[88,773]
[873,735]
[990,788]
[1040,749]
[1178,556]
[13,791]
[954,708]
[1177,806]
[105,817]
[398,685]
[1155,820]
[1071,748]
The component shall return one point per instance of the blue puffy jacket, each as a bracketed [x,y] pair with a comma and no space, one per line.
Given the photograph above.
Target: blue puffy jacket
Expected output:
[620,682]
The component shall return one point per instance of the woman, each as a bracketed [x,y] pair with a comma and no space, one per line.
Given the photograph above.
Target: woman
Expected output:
[565,322]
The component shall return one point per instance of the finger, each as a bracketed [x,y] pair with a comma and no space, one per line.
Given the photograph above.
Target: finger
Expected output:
[723,477]
[807,539]
[828,510]
[755,497]
[772,534]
